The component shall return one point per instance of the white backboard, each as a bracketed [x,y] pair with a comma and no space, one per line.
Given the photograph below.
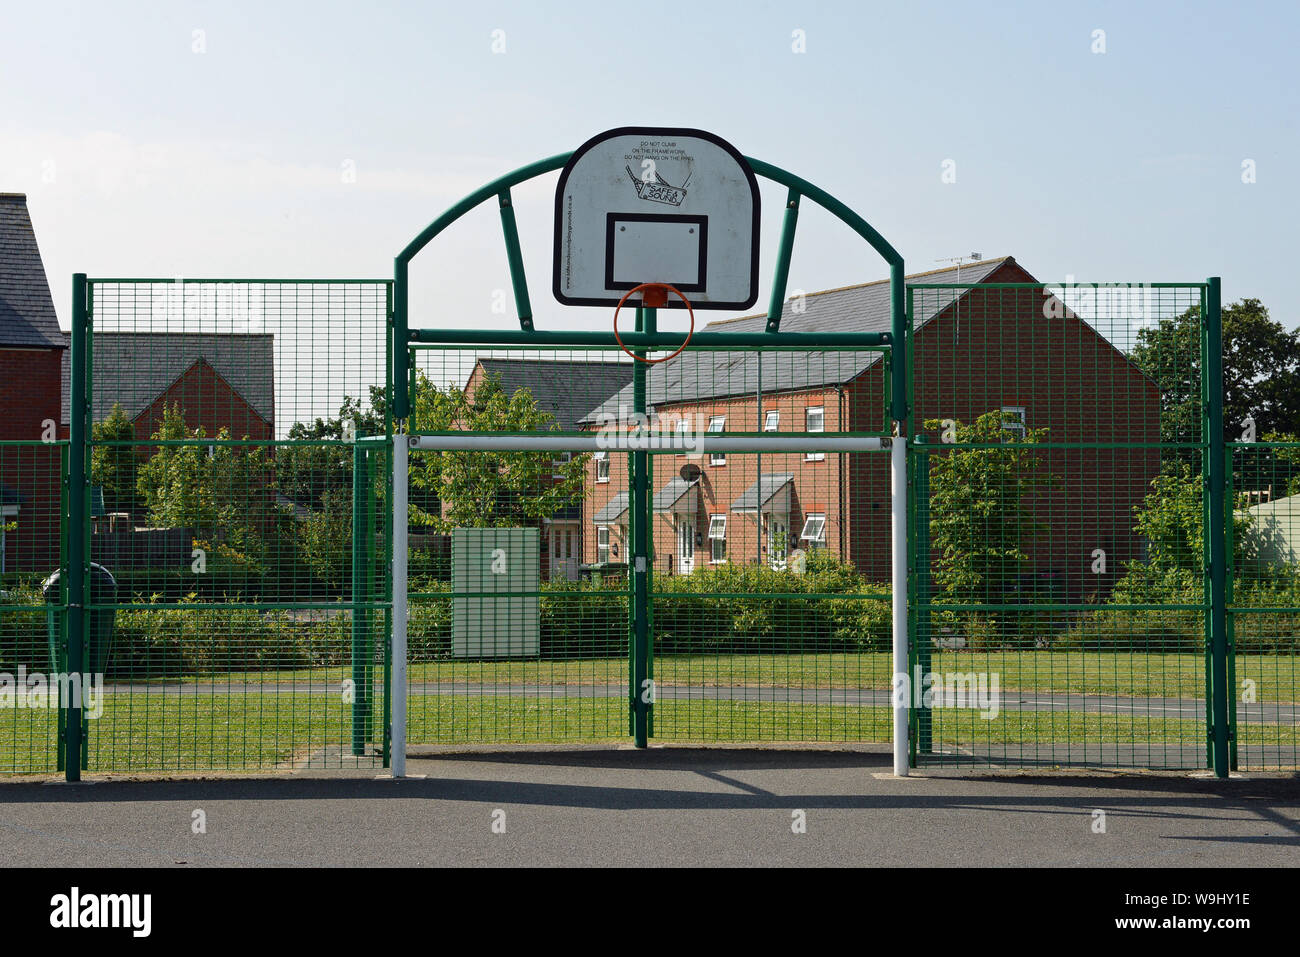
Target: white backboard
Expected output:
[648,204]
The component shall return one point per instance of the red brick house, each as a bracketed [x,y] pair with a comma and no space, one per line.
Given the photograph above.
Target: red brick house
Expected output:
[220,381]
[31,356]
[975,351]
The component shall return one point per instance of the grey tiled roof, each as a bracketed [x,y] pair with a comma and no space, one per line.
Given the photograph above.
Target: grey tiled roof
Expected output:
[567,389]
[693,376]
[613,510]
[26,308]
[134,368]
[772,483]
[670,494]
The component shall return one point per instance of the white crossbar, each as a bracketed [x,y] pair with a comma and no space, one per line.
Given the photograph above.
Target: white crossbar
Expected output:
[647,442]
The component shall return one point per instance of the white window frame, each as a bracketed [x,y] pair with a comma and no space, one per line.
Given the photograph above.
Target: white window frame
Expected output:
[772,420]
[8,513]
[602,531]
[717,458]
[808,413]
[602,465]
[564,459]
[819,539]
[716,537]
[1021,427]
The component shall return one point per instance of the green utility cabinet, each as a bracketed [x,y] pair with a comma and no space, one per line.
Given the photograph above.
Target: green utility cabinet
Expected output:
[495,575]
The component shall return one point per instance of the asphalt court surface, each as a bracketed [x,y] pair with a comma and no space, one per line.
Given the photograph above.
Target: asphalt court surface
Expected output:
[593,806]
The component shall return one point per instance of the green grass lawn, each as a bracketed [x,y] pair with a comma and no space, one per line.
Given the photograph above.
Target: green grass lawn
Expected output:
[1136,674]
[247,730]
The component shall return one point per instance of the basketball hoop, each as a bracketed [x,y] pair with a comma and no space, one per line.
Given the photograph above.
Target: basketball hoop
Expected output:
[655,297]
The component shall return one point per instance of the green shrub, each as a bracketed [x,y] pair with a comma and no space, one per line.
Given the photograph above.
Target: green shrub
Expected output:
[428,629]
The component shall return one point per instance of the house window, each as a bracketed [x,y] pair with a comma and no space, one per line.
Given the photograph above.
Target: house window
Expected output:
[8,519]
[772,421]
[602,466]
[683,431]
[558,464]
[602,544]
[717,538]
[814,420]
[814,531]
[1013,422]
[716,424]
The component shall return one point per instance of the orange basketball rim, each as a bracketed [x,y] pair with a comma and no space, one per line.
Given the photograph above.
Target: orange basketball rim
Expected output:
[656,295]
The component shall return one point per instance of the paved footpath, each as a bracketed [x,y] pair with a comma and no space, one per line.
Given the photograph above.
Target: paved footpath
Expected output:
[664,806]
[1264,712]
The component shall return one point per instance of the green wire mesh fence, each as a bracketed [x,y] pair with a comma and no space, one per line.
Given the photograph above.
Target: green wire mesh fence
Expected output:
[237,446]
[1060,548]
[1059,591]
[32,607]
[1264,599]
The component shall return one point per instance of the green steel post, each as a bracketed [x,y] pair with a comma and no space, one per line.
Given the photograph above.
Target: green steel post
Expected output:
[783,253]
[640,554]
[361,566]
[387,740]
[1215,530]
[78,517]
[1230,618]
[651,324]
[390,386]
[898,345]
[1206,577]
[411,380]
[398,339]
[518,279]
[62,614]
[921,588]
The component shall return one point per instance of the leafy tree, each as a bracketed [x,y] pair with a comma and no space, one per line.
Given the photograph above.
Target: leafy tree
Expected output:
[222,492]
[488,489]
[1171,520]
[307,473]
[1261,381]
[325,540]
[1261,371]
[980,517]
[112,467]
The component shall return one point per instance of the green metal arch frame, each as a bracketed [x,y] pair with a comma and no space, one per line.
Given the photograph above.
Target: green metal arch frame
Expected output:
[500,188]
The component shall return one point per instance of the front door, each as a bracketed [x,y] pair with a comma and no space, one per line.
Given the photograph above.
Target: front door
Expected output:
[777,540]
[685,546]
[564,552]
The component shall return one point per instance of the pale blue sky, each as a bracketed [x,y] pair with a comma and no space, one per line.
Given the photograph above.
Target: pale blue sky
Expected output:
[143,157]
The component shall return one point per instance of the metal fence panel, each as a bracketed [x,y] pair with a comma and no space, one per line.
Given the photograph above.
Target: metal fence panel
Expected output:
[236,438]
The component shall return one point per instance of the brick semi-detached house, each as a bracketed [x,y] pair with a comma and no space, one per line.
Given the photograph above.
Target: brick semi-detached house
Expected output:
[31,354]
[218,380]
[983,350]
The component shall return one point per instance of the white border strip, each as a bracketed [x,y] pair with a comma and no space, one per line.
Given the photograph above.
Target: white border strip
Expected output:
[397,751]
[898,506]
